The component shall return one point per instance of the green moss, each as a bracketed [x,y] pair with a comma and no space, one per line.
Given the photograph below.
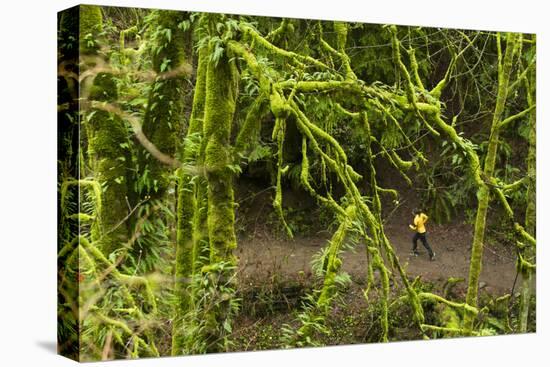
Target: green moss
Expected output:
[186,207]
[249,133]
[409,87]
[189,204]
[91,25]
[414,67]
[505,66]
[199,94]
[253,65]
[218,118]
[374,223]
[331,268]
[220,100]
[171,39]
[341,30]
[279,136]
[297,59]
[106,133]
[108,159]
[163,120]
[104,88]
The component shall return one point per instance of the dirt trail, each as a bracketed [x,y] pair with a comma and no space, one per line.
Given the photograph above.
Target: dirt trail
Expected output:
[263,257]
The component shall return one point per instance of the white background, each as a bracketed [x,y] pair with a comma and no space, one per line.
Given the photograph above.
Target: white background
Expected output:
[28,182]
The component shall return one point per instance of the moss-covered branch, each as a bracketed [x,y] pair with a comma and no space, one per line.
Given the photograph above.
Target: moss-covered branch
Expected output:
[518,115]
[300,60]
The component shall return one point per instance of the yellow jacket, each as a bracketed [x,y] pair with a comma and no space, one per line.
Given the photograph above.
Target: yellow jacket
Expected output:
[419,221]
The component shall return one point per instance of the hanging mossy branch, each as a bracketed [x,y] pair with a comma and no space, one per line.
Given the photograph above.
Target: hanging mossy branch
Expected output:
[280,110]
[377,263]
[386,111]
[279,134]
[436,91]
[518,228]
[126,32]
[414,67]
[341,30]
[249,133]
[285,27]
[313,318]
[333,262]
[409,86]
[305,178]
[377,228]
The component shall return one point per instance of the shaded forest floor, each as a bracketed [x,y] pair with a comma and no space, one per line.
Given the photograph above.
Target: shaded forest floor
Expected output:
[266,257]
[264,251]
[275,273]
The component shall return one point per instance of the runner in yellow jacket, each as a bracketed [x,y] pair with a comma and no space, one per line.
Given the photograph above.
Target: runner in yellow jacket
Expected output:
[419,227]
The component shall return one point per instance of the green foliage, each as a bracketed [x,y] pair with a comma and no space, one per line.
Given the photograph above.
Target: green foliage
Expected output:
[209,324]
[355,96]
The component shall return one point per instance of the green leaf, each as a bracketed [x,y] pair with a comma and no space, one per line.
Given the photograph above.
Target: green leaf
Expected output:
[165,65]
[227,326]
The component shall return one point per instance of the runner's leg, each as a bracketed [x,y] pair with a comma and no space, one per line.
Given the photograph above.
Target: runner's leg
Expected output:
[425,243]
[415,241]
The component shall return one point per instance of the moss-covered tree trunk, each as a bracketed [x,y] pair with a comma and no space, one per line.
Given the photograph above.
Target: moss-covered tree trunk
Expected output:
[529,253]
[107,141]
[483,194]
[164,117]
[221,94]
[188,209]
